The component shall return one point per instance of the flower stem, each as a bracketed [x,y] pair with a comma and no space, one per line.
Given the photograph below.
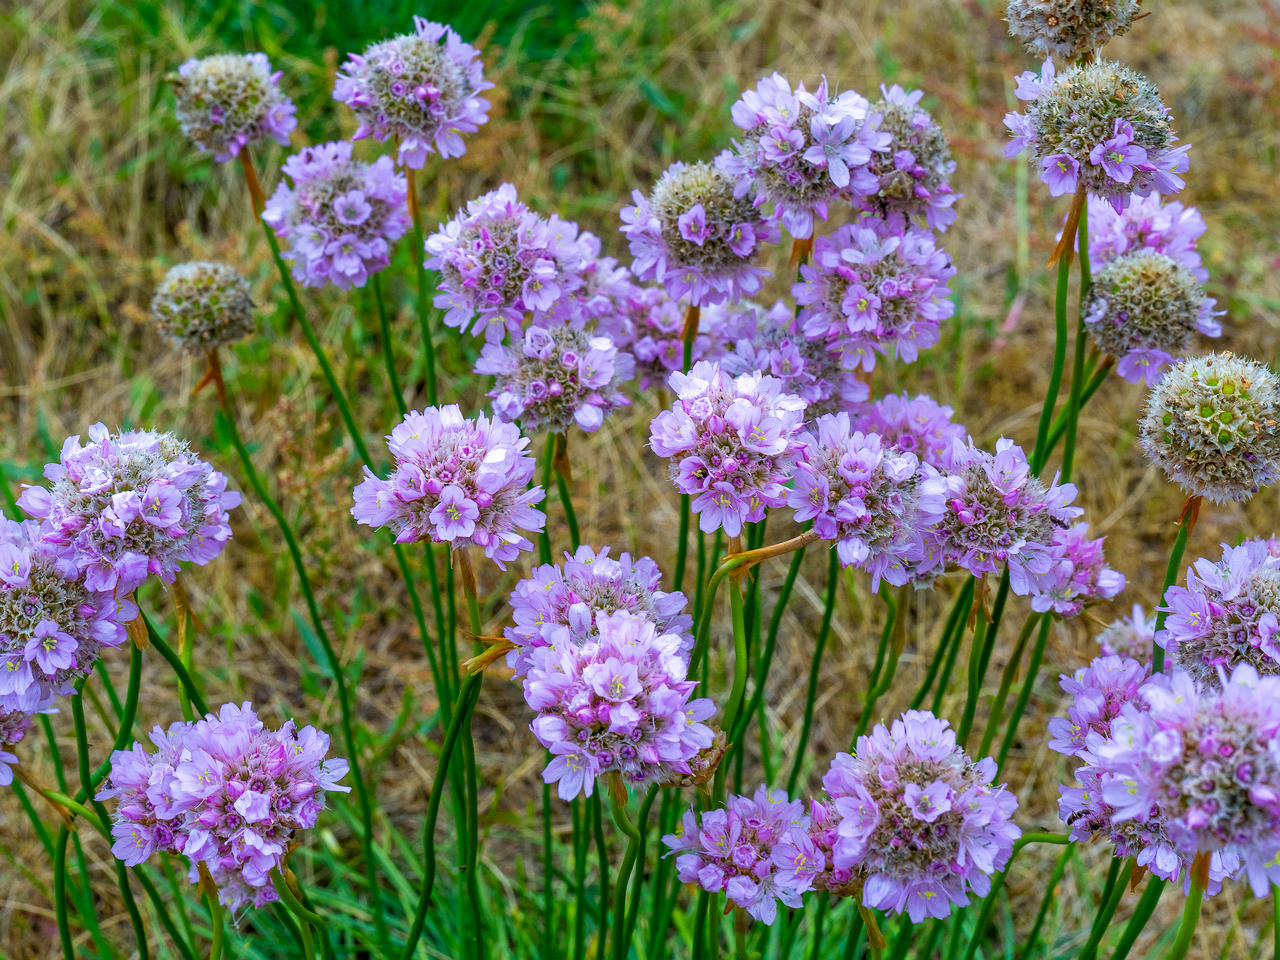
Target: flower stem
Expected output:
[1077,367]
[580,883]
[388,353]
[1186,523]
[305,917]
[1040,453]
[1059,427]
[618,807]
[424,294]
[682,544]
[950,632]
[566,501]
[548,871]
[216,923]
[1107,910]
[463,558]
[1058,870]
[1191,913]
[882,653]
[980,633]
[734,704]
[1141,914]
[175,664]
[815,667]
[595,808]
[997,884]
[1024,695]
[1006,682]
[642,827]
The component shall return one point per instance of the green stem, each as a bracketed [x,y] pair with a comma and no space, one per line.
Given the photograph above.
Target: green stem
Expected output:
[305,917]
[882,654]
[997,884]
[980,632]
[739,657]
[544,535]
[818,930]
[566,501]
[580,883]
[642,826]
[1106,911]
[950,631]
[1058,870]
[216,924]
[1040,454]
[388,351]
[1185,522]
[596,808]
[60,893]
[424,292]
[176,665]
[682,545]
[815,668]
[1059,428]
[469,764]
[634,840]
[548,899]
[1074,400]
[1190,917]
[1141,914]
[1024,695]
[1006,682]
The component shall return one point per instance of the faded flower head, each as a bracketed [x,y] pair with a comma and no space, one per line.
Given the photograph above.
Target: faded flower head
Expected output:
[1079,576]
[455,481]
[801,150]
[1143,308]
[201,306]
[1068,29]
[648,323]
[921,824]
[1210,425]
[875,501]
[224,791]
[875,287]
[914,169]
[773,342]
[340,217]
[421,88]
[53,628]
[13,727]
[616,701]
[696,236]
[126,505]
[1146,224]
[231,101]
[921,426]
[1227,614]
[1132,636]
[732,444]
[559,604]
[498,260]
[1102,125]
[998,512]
[756,850]
[556,377]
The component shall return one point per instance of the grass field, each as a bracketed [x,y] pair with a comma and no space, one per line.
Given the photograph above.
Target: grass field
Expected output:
[100,193]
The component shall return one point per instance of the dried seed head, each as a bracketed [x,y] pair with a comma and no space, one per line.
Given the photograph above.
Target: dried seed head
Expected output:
[199,306]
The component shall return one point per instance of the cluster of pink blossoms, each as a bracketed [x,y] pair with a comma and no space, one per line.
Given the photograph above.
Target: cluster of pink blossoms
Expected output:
[914,168]
[874,501]
[1146,224]
[732,444]
[875,287]
[498,260]
[13,728]
[617,701]
[647,323]
[1132,636]
[455,481]
[223,791]
[801,150]
[340,217]
[421,88]
[1079,575]
[228,102]
[127,505]
[921,426]
[559,604]
[52,627]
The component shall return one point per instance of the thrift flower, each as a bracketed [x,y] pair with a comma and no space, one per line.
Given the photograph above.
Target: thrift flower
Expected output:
[13,727]
[1068,29]
[1131,637]
[1098,691]
[648,323]
[1146,224]
[605,287]
[1079,576]
[921,426]
[201,306]
[230,101]
[455,481]
[914,169]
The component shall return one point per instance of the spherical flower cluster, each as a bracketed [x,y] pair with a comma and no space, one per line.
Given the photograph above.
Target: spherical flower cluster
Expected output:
[455,481]
[1102,125]
[131,504]
[921,426]
[52,626]
[998,512]
[1068,29]
[1146,224]
[875,288]
[1144,307]
[223,791]
[1079,575]
[618,701]
[732,444]
[1202,761]
[498,261]
[13,727]
[801,150]
[605,287]
[340,217]
[201,306]
[647,323]
[921,824]
[875,502]
[1133,637]
[696,236]
[227,102]
[420,88]
[556,604]
[1211,426]
[1098,691]
[1227,614]
[559,376]
[772,341]
[757,850]
[914,169]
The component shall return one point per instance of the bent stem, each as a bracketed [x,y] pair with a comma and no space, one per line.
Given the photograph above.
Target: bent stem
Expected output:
[997,884]
[1107,910]
[1186,523]
[305,917]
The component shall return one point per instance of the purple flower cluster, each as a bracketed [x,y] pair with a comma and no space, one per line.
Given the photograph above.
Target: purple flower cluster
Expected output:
[131,504]
[914,168]
[559,604]
[921,825]
[615,701]
[801,150]
[499,261]
[455,481]
[1227,614]
[874,287]
[605,287]
[340,217]
[420,88]
[1079,575]
[756,850]
[875,502]
[13,727]
[1132,636]
[1146,224]
[921,426]
[773,342]
[559,376]
[223,791]
[227,102]
[697,235]
[998,511]
[1098,691]
[648,323]
[52,627]
[732,444]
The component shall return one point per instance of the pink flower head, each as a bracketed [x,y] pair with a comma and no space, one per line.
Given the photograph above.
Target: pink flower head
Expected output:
[1079,576]
[228,102]
[421,88]
[1132,636]
[1146,224]
[647,323]
[921,426]
[13,727]
[913,170]
[1098,692]
[455,481]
